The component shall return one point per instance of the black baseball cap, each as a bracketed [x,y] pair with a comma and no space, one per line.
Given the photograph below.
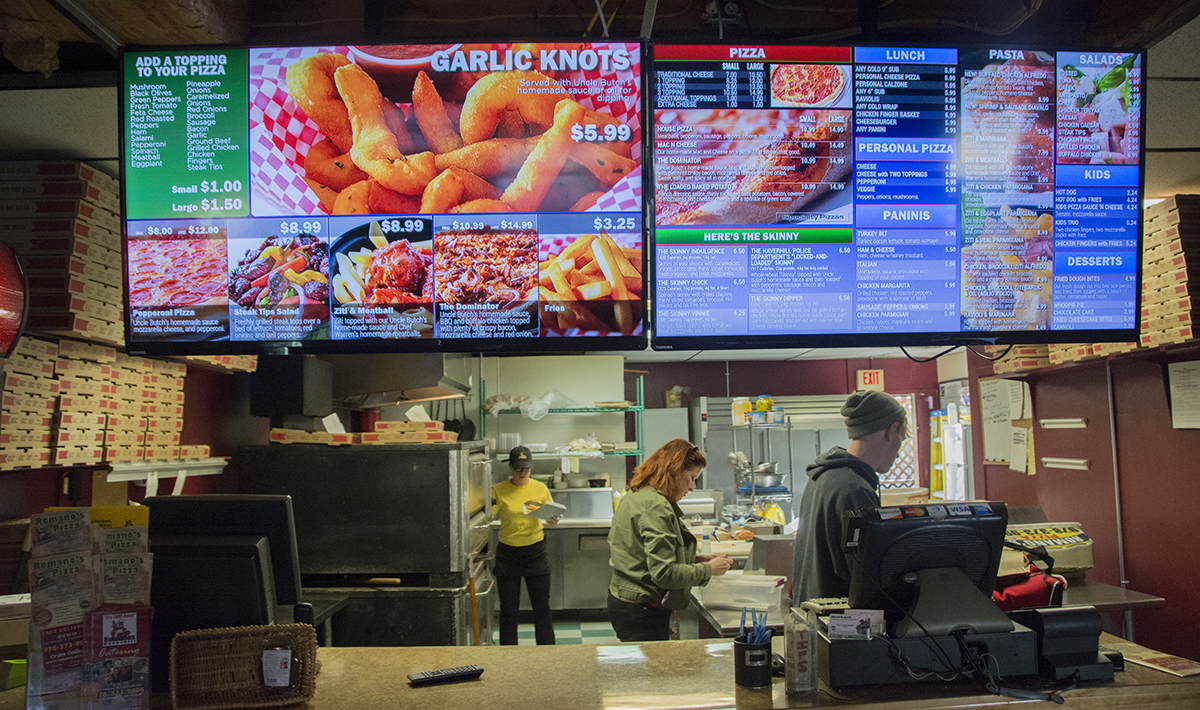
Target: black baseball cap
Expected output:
[520,457]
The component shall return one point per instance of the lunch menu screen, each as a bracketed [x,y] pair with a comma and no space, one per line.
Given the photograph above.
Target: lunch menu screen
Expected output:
[854,190]
[442,193]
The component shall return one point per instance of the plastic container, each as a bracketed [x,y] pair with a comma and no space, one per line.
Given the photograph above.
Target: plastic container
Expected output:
[800,653]
[734,591]
[739,409]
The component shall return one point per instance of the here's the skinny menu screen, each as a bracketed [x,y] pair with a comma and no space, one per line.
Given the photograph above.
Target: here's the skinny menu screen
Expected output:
[851,190]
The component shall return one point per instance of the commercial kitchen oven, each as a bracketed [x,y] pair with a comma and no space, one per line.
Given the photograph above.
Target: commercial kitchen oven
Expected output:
[399,530]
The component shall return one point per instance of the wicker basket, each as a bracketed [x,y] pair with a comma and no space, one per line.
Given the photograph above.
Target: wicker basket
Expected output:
[213,669]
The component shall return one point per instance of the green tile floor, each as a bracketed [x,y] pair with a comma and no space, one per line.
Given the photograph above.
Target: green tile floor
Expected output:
[567,632]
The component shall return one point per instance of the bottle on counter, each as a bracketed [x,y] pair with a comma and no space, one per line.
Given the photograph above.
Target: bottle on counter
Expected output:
[764,403]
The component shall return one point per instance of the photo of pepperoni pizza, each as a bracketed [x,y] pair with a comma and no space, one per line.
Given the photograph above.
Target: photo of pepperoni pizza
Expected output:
[810,85]
[177,272]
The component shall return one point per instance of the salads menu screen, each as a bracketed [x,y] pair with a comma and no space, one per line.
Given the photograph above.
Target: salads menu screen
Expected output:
[451,196]
[863,191]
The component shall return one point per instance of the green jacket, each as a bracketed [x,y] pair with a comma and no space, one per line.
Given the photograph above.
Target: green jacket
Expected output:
[648,552]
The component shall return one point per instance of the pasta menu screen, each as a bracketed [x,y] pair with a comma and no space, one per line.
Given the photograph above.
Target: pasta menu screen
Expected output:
[894,195]
[396,197]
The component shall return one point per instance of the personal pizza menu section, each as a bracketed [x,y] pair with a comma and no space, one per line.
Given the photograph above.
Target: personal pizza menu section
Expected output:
[943,190]
[468,192]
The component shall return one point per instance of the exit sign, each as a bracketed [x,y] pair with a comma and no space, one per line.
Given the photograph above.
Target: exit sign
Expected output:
[870,380]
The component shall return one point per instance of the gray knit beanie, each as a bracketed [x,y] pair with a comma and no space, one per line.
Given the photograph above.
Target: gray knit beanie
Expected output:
[869,411]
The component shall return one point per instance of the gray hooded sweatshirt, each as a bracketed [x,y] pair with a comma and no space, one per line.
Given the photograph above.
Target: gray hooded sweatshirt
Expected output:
[840,482]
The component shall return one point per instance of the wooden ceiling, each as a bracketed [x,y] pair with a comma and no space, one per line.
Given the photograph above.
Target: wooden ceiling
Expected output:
[78,36]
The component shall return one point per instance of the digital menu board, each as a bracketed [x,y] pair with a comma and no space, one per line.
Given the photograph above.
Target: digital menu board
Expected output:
[446,197]
[894,195]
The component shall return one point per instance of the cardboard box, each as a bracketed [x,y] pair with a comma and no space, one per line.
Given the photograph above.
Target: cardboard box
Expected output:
[76,188]
[195,451]
[80,326]
[53,284]
[33,404]
[26,421]
[36,348]
[19,231]
[409,426]
[72,455]
[1070,547]
[29,365]
[30,458]
[54,207]
[82,420]
[76,350]
[18,383]
[54,305]
[56,264]
[24,439]
[61,169]
[84,369]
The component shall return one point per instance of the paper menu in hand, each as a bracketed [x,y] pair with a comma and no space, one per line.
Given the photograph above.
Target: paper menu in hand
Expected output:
[547,510]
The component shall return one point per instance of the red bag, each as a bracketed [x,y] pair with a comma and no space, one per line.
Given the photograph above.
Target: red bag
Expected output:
[1035,588]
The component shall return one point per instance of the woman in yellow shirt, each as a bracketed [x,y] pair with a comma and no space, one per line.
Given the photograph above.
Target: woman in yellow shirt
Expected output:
[522,549]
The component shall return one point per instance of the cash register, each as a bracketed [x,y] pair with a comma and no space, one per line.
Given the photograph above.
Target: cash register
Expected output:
[931,569]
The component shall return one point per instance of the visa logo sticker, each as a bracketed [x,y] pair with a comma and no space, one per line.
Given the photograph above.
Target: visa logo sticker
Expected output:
[961,510]
[889,513]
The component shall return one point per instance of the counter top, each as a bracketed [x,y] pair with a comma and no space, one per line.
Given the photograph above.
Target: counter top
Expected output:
[662,675]
[562,523]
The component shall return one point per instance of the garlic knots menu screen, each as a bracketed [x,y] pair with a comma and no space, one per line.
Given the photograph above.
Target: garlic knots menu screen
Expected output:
[894,194]
[393,197]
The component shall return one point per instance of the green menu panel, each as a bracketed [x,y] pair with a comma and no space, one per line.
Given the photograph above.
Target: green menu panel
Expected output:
[187,150]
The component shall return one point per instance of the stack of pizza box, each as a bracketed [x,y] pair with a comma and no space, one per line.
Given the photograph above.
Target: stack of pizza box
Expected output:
[1170,270]
[27,405]
[85,402]
[62,217]
[1021,358]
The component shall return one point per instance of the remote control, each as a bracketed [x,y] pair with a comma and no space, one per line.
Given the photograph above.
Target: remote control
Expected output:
[445,675]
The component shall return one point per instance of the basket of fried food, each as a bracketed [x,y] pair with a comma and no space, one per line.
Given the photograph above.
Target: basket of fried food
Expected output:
[593,285]
[243,667]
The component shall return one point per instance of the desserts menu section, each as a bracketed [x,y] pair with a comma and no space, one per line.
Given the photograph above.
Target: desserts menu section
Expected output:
[904,190]
[399,192]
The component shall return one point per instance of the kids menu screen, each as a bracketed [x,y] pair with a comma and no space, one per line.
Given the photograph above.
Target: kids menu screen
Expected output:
[397,197]
[899,195]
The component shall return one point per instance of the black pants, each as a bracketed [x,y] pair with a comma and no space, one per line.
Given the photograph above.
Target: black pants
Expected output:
[538,587]
[638,622]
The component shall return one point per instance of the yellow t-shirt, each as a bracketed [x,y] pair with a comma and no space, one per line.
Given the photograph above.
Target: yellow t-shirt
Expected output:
[508,503]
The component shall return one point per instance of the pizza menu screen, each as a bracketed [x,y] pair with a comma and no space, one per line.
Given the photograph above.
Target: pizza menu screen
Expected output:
[883,190]
[450,196]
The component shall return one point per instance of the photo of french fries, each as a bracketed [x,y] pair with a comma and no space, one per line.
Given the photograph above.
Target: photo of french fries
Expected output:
[486,141]
[592,285]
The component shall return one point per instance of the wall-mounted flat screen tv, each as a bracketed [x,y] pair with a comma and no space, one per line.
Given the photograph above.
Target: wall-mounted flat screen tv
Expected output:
[449,197]
[894,195]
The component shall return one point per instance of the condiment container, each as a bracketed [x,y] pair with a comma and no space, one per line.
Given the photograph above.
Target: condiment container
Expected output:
[739,409]
[800,652]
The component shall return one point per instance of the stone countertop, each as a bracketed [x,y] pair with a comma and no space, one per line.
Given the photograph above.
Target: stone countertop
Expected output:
[660,675]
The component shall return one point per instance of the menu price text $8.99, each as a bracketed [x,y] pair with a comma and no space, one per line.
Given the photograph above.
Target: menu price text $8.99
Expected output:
[306,227]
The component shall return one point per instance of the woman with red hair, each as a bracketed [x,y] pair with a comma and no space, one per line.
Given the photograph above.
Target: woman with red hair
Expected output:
[652,554]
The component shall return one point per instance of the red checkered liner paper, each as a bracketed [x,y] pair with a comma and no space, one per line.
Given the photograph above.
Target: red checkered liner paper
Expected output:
[280,133]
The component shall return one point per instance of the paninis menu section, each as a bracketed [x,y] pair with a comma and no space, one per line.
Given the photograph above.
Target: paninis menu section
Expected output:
[894,193]
[396,197]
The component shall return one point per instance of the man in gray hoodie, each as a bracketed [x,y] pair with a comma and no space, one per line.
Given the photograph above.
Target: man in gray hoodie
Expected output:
[842,480]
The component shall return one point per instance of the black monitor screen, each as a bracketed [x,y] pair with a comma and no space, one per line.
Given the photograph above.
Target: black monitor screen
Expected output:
[384,198]
[864,195]
[216,516]
[892,548]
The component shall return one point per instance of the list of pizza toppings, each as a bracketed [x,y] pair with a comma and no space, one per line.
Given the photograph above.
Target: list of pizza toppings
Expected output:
[185,125]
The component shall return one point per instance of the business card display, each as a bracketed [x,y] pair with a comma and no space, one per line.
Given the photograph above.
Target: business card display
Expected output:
[911,195]
[391,197]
